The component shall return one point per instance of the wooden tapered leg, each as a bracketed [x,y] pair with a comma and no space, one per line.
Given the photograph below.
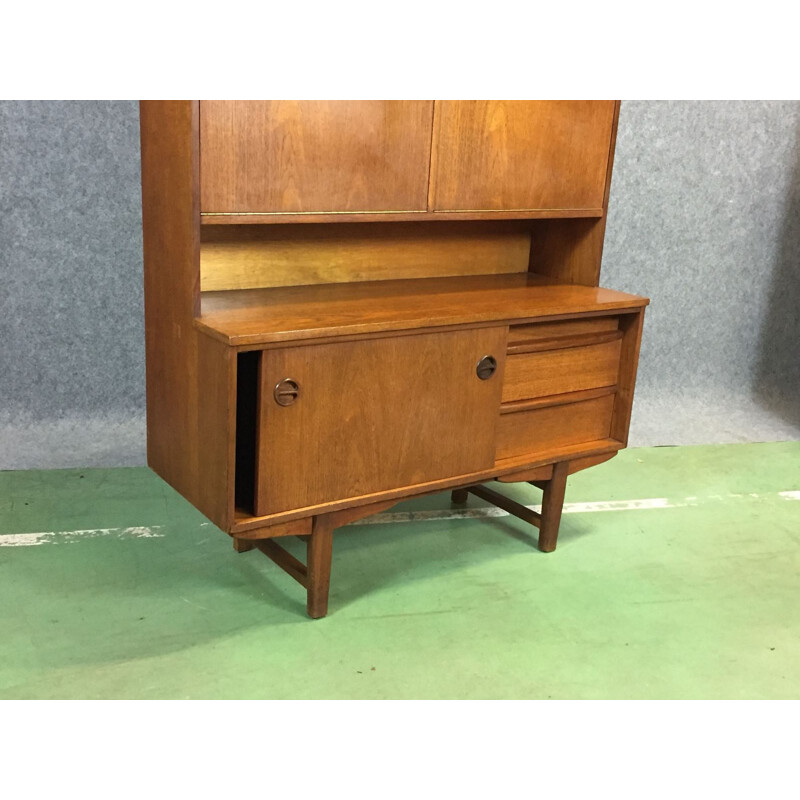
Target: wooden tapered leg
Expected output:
[552,504]
[459,496]
[242,545]
[320,550]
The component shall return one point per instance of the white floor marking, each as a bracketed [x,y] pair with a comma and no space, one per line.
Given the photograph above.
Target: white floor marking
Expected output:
[50,537]
[491,511]
[155,531]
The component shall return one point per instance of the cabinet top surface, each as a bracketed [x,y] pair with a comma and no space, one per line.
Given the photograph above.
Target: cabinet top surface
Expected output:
[261,316]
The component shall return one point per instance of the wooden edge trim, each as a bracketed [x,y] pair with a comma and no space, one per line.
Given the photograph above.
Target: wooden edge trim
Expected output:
[285,560]
[584,463]
[563,342]
[501,467]
[296,527]
[303,527]
[507,504]
[348,515]
[268,217]
[556,399]
[528,475]
[612,146]
[253,341]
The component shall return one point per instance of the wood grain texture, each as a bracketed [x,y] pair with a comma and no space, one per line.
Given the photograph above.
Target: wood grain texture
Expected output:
[216,429]
[577,464]
[348,515]
[507,504]
[374,415]
[552,505]
[520,154]
[284,559]
[554,372]
[261,316]
[539,430]
[556,399]
[528,475]
[632,326]
[568,251]
[188,391]
[170,248]
[535,332]
[311,156]
[248,257]
[571,251]
[564,342]
[297,527]
[320,551]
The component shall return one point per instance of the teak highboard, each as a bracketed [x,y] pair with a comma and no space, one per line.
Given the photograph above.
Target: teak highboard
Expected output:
[350,303]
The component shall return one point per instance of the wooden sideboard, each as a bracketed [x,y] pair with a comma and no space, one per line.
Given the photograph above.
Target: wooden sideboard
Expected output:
[350,303]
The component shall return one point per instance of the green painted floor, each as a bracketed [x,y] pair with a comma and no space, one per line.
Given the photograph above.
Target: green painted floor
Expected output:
[112,586]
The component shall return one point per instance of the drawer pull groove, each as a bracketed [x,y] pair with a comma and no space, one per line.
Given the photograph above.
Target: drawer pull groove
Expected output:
[563,342]
[556,399]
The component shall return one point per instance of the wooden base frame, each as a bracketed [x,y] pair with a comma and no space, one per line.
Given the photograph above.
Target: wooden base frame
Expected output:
[315,574]
[548,521]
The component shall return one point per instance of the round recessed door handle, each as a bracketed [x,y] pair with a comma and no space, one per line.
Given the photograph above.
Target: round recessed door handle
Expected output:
[286,392]
[486,367]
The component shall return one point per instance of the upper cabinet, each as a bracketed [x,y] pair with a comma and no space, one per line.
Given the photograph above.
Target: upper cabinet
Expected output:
[299,156]
[261,159]
[501,155]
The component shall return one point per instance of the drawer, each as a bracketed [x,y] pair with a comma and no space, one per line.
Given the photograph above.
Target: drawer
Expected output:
[543,429]
[550,366]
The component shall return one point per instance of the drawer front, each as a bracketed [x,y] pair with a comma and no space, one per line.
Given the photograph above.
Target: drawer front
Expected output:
[567,369]
[375,415]
[544,429]
[521,335]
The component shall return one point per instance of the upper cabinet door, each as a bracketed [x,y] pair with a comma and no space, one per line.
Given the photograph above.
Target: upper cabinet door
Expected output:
[505,155]
[296,156]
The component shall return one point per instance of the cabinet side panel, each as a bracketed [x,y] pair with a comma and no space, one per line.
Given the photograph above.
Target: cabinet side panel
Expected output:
[631,325]
[216,431]
[171,225]
[568,250]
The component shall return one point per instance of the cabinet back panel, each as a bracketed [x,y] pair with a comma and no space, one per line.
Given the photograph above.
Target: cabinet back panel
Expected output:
[296,156]
[520,154]
[255,257]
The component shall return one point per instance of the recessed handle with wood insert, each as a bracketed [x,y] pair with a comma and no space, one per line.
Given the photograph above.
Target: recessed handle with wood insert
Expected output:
[286,392]
[486,367]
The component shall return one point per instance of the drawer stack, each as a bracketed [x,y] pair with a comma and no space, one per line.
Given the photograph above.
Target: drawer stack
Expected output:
[559,385]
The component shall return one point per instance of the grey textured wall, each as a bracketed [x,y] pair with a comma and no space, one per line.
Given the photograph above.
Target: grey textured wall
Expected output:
[705,219]
[71,310]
